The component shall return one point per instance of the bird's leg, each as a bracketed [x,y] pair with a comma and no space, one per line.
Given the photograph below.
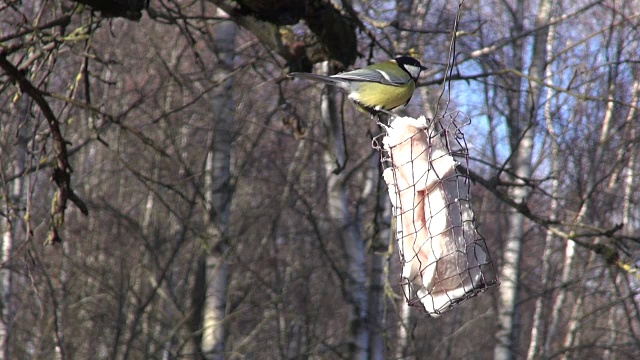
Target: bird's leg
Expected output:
[374,112]
[389,114]
[386,112]
[386,120]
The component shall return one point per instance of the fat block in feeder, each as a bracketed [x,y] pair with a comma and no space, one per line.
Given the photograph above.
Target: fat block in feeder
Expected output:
[444,258]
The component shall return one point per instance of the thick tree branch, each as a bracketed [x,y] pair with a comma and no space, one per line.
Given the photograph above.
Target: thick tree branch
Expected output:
[333,34]
[61,21]
[608,252]
[128,9]
[62,169]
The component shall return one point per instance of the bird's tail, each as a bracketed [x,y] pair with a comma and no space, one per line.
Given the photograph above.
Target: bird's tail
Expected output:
[315,77]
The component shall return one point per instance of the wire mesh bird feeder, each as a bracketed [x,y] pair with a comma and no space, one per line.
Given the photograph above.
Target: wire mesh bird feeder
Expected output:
[444,259]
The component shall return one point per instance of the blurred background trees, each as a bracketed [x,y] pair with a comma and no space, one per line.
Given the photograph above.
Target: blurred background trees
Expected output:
[234,213]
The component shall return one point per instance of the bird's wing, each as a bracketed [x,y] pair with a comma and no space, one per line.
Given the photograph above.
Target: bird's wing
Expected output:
[368,75]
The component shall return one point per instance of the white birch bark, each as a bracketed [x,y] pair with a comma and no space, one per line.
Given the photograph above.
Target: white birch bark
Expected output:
[559,304]
[407,14]
[631,162]
[218,191]
[612,334]
[613,318]
[5,273]
[379,262]
[538,323]
[402,350]
[9,228]
[510,267]
[521,137]
[343,222]
[572,327]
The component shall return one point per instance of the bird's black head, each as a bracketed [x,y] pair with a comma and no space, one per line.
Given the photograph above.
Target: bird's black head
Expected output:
[410,65]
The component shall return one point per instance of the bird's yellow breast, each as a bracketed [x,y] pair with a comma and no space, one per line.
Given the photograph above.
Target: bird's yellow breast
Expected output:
[380,96]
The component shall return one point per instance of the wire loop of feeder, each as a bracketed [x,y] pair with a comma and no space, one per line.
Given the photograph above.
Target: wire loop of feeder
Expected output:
[444,259]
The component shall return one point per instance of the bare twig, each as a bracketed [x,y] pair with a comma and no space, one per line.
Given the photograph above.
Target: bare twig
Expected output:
[62,21]
[62,168]
[608,253]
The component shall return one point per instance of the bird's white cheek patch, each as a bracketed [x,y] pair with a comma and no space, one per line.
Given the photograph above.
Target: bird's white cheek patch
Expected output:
[413,70]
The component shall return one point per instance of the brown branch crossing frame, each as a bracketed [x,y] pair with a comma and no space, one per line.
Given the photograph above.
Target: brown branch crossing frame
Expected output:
[62,169]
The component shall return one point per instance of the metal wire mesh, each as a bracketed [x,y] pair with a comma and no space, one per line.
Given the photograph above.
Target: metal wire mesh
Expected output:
[444,258]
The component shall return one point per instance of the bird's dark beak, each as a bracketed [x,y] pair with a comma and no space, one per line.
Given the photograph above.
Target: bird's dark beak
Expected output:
[423,68]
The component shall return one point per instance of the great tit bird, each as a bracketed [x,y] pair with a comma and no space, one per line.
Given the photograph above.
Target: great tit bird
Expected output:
[378,87]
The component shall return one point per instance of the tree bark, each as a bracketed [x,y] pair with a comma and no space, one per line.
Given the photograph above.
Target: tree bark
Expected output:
[219,191]
[405,321]
[521,128]
[13,193]
[128,9]
[342,221]
[585,209]
[379,263]
[332,36]
[537,328]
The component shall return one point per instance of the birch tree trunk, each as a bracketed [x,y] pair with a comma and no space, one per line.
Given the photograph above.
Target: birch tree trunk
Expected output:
[402,349]
[376,309]
[409,15]
[631,162]
[559,302]
[592,180]
[612,316]
[538,323]
[13,200]
[218,192]
[510,269]
[521,127]
[345,225]
[609,353]
[573,322]
[379,262]
[5,274]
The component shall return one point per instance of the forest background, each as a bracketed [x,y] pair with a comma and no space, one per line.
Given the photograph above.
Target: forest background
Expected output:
[166,191]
